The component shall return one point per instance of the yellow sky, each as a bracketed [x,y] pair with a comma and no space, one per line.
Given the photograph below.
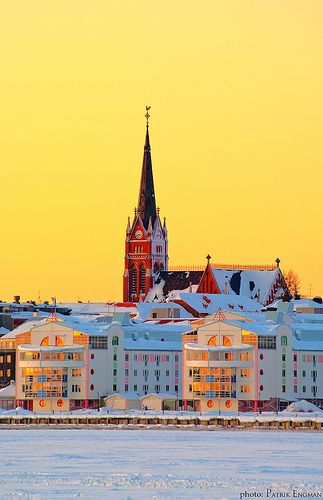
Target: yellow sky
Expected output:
[236,132]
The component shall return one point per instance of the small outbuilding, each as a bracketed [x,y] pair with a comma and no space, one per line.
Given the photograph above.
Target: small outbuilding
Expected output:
[123,401]
[159,401]
[8,397]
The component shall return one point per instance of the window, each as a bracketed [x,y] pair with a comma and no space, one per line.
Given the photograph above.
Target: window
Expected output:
[295,357]
[92,371]
[283,373]
[190,372]
[261,356]
[190,389]
[283,341]
[283,388]
[126,372]
[176,373]
[261,388]
[212,341]
[135,388]
[98,342]
[157,388]
[245,372]
[295,388]
[76,388]
[167,373]
[45,341]
[126,357]
[314,389]
[283,357]
[126,387]
[247,356]
[242,356]
[1,373]
[176,388]
[115,371]
[228,356]
[176,358]
[135,373]
[167,388]
[92,387]
[167,357]
[227,341]
[76,372]
[115,340]
[266,342]
[115,357]
[59,341]
[8,372]
[304,373]
[304,388]
[295,373]
[1,359]
[261,371]
[135,357]
[114,387]
[9,358]
[145,388]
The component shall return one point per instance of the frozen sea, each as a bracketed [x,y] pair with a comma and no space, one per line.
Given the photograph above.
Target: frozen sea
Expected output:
[148,464]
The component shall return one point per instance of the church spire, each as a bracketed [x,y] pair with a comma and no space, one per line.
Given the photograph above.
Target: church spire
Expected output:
[146,200]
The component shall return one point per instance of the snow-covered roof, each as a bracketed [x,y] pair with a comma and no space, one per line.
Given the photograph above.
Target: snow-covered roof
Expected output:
[144,309]
[264,328]
[151,345]
[160,395]
[3,330]
[9,391]
[125,395]
[249,283]
[210,303]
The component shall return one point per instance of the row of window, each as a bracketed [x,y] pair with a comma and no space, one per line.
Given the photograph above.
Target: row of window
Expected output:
[145,388]
[8,359]
[146,373]
[151,357]
[266,342]
[6,372]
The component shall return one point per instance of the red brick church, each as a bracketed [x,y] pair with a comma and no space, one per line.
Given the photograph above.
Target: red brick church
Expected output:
[146,276]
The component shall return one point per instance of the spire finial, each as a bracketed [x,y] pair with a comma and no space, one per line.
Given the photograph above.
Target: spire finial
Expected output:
[208,258]
[147,115]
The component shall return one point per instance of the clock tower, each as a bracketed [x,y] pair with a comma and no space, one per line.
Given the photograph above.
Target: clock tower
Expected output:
[146,249]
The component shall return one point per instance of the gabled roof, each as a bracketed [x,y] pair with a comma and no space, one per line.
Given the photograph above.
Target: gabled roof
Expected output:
[247,282]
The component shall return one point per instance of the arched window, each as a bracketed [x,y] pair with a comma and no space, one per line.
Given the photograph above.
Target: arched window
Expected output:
[283,341]
[212,341]
[45,341]
[227,341]
[142,279]
[59,341]
[115,340]
[161,267]
[156,267]
[133,282]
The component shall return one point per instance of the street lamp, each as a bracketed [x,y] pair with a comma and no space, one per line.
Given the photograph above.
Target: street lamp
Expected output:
[98,401]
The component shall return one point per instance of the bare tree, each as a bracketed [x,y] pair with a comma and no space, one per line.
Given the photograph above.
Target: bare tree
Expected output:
[293,282]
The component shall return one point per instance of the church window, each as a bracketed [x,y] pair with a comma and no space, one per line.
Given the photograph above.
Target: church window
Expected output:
[142,279]
[133,278]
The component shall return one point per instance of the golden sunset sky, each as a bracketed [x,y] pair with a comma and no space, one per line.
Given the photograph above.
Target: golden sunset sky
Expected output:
[236,89]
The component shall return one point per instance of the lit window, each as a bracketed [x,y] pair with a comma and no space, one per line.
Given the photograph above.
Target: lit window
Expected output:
[45,341]
[227,341]
[59,341]
[212,341]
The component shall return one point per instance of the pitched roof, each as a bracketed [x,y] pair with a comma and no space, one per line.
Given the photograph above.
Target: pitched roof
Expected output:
[166,282]
[246,282]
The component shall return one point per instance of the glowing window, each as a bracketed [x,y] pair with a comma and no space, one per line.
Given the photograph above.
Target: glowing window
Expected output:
[212,341]
[45,341]
[59,341]
[227,341]
[42,403]
[59,403]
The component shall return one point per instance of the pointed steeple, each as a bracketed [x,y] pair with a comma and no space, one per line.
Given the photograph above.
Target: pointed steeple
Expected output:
[146,200]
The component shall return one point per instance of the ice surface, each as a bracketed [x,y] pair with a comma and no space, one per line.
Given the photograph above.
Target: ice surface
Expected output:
[147,464]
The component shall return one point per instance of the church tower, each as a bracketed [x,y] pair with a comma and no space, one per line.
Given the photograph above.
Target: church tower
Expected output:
[146,238]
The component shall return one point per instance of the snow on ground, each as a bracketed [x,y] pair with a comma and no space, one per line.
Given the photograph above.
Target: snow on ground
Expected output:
[147,464]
